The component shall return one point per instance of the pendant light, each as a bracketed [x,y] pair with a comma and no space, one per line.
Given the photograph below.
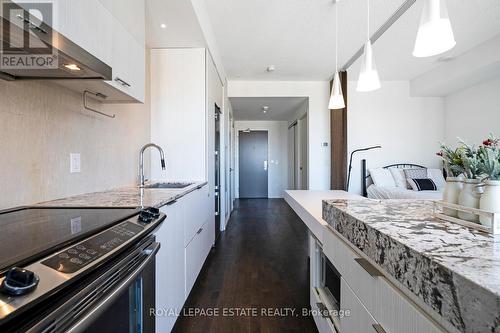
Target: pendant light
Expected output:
[368,76]
[435,34]
[336,96]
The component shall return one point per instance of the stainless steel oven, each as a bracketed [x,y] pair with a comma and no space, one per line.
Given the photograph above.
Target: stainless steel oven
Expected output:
[111,289]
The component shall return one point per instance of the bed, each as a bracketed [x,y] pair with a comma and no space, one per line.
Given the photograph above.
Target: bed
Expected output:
[370,190]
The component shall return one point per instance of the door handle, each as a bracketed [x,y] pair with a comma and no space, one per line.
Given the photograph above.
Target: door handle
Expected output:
[368,267]
[265,165]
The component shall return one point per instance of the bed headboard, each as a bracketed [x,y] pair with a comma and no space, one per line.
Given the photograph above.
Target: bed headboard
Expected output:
[365,176]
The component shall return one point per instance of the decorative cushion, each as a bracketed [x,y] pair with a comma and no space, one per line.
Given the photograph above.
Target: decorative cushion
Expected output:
[399,177]
[415,173]
[422,184]
[437,177]
[382,177]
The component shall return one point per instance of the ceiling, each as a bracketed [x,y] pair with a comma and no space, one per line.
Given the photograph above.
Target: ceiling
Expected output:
[280,108]
[182,27]
[298,36]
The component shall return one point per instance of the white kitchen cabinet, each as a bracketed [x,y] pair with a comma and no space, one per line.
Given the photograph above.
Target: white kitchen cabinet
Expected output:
[196,253]
[129,65]
[177,264]
[359,319]
[170,267]
[185,88]
[391,309]
[103,28]
[196,218]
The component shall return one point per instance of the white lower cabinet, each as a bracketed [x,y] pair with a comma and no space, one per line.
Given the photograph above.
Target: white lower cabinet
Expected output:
[170,268]
[359,319]
[196,253]
[392,310]
[178,265]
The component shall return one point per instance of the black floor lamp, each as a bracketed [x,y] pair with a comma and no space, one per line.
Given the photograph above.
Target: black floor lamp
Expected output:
[350,161]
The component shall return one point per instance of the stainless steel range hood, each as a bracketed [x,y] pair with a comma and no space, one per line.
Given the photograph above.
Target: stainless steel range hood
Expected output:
[70,61]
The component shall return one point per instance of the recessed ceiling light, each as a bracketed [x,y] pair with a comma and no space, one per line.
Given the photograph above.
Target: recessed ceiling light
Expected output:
[271,68]
[163,26]
[73,67]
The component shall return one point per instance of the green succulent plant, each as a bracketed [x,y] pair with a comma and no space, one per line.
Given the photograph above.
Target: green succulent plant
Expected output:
[489,155]
[452,160]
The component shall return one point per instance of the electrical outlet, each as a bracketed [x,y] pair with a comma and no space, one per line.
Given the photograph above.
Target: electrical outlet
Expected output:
[74,163]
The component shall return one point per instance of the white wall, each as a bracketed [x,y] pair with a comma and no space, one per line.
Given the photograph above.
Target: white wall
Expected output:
[473,113]
[318,118]
[409,129]
[277,154]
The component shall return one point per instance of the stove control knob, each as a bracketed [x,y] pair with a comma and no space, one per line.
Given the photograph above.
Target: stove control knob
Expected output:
[145,216]
[19,281]
[154,211]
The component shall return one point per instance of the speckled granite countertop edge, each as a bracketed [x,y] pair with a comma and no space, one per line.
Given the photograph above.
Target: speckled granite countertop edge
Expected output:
[127,196]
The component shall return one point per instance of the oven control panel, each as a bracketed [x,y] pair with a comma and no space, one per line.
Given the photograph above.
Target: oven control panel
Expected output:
[80,255]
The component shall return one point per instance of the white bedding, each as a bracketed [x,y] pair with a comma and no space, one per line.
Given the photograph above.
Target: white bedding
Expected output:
[378,192]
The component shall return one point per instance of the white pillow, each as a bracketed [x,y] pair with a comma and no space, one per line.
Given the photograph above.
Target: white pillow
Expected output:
[382,177]
[437,177]
[399,177]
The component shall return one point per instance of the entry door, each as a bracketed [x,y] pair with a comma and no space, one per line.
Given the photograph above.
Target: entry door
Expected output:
[253,164]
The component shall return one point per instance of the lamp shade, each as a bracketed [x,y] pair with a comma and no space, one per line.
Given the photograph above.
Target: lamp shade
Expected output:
[435,34]
[368,76]
[336,97]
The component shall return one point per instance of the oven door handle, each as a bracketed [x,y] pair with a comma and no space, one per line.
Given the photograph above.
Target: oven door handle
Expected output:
[99,308]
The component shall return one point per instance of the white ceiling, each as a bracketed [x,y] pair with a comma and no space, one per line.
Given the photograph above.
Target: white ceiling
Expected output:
[297,36]
[474,22]
[280,108]
[182,27]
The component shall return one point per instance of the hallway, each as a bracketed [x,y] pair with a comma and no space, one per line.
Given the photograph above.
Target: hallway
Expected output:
[258,266]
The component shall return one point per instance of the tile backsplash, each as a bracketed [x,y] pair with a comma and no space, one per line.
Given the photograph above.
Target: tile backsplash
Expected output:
[42,123]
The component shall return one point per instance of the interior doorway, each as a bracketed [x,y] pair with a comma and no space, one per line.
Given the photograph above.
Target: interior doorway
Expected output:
[253,164]
[298,154]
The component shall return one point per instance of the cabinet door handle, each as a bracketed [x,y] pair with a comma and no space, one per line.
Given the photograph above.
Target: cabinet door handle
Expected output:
[122,82]
[199,231]
[378,328]
[369,268]
[323,309]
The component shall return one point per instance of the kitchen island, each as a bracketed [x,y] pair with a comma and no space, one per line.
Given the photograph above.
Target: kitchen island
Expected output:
[449,268]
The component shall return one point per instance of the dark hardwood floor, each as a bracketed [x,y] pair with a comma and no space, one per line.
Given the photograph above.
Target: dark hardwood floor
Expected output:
[259,265]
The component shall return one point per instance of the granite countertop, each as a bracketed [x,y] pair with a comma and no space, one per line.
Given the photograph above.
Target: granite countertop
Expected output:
[130,196]
[453,269]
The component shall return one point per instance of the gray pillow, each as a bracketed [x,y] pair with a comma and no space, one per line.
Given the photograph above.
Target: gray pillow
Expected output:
[416,173]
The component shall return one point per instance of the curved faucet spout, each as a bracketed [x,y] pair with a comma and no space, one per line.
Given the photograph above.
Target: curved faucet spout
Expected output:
[141,161]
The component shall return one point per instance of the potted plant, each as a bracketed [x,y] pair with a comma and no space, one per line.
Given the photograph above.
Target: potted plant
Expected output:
[454,181]
[489,154]
[472,170]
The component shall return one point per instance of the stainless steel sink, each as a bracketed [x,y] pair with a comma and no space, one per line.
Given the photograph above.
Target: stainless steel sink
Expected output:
[168,185]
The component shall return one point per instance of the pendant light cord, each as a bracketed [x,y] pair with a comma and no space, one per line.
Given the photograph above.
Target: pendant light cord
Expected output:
[336,37]
[368,19]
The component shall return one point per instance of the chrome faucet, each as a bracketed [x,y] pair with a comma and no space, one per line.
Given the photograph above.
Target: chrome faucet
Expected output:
[141,161]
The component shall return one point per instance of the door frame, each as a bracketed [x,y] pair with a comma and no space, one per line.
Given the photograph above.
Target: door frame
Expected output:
[237,159]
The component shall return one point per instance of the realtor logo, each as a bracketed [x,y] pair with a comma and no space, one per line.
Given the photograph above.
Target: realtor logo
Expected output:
[27,35]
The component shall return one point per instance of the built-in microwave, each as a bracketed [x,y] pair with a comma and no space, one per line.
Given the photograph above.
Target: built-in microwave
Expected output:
[326,281]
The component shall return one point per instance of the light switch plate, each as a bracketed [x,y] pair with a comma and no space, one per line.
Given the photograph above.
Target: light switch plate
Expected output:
[74,163]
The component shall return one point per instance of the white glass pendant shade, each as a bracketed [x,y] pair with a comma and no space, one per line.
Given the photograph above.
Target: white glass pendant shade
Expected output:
[336,97]
[435,34]
[368,76]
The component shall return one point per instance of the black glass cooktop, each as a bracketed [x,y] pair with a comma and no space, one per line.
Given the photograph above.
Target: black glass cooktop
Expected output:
[27,234]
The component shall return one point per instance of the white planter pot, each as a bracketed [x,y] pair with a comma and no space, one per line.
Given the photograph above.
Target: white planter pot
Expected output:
[490,200]
[451,193]
[469,197]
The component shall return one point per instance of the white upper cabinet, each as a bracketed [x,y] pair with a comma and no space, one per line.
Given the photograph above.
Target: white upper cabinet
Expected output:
[114,32]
